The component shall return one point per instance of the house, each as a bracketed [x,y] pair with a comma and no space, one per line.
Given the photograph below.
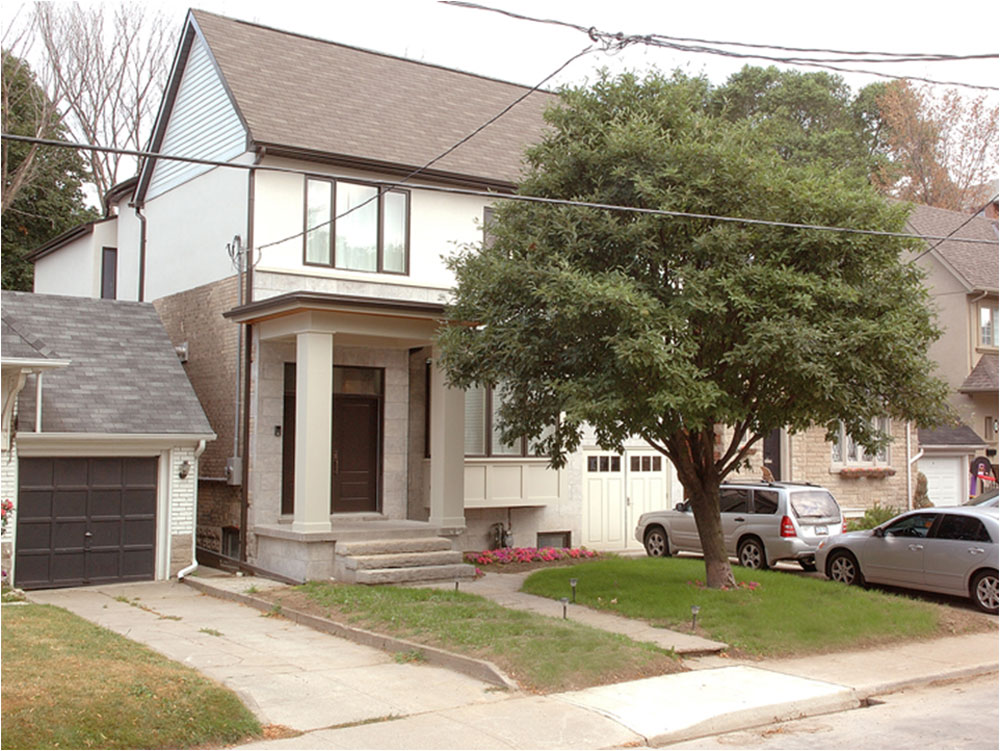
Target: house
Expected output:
[102,434]
[303,277]
[962,278]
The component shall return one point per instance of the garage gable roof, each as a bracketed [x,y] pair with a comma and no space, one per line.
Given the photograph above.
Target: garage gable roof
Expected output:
[123,376]
[950,435]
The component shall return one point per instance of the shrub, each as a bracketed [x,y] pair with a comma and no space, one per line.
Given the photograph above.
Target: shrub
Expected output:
[920,497]
[873,517]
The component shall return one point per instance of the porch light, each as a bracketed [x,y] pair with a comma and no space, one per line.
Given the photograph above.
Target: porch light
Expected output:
[694,616]
[572,584]
[565,603]
[185,469]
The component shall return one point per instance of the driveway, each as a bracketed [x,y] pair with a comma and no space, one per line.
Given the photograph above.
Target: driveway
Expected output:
[287,674]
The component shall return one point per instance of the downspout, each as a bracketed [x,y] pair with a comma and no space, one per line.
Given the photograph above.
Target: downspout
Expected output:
[194,544]
[142,251]
[909,468]
[248,357]
[38,402]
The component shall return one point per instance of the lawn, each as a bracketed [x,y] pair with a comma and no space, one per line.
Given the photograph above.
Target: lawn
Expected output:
[542,654]
[772,613]
[70,684]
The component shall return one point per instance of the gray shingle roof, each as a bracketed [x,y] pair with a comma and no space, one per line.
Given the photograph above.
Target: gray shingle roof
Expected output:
[983,377]
[304,93]
[22,346]
[976,264]
[123,376]
[950,435]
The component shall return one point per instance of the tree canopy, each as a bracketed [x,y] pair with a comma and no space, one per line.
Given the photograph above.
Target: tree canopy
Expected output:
[42,187]
[675,329]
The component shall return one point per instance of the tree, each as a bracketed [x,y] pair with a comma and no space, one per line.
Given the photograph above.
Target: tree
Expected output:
[942,150]
[108,76]
[809,117]
[42,187]
[685,330]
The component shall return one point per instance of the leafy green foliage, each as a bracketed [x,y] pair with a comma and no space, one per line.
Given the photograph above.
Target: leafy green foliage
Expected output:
[670,327]
[874,516]
[49,201]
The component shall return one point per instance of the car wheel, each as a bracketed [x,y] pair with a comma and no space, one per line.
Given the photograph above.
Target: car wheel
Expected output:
[807,565]
[984,591]
[751,554]
[656,543]
[843,567]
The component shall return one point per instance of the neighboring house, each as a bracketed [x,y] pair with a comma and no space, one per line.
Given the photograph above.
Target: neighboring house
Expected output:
[101,438]
[962,279]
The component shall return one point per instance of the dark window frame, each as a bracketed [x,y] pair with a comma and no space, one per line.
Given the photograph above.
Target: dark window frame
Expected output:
[379,233]
[106,293]
[523,452]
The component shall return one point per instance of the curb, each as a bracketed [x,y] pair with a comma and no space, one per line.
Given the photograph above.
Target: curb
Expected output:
[892,687]
[761,716]
[482,670]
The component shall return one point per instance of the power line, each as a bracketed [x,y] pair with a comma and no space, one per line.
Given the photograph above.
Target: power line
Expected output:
[683,44]
[493,195]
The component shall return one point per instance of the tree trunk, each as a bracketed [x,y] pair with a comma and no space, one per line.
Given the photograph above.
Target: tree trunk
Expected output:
[693,455]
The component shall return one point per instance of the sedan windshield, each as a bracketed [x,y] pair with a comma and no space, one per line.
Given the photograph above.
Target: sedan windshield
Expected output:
[809,504]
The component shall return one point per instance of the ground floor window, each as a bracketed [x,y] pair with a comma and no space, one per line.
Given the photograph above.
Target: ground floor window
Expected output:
[846,451]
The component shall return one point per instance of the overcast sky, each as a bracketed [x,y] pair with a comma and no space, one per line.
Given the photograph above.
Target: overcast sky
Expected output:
[490,44]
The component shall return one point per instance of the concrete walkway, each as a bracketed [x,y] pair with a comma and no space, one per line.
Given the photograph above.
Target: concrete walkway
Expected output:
[343,695]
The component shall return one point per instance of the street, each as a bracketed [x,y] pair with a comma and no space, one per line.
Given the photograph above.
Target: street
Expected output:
[957,714]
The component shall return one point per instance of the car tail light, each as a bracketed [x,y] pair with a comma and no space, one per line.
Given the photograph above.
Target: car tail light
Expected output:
[843,526]
[787,527]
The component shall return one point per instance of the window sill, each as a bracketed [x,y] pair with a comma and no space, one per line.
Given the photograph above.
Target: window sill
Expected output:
[855,473]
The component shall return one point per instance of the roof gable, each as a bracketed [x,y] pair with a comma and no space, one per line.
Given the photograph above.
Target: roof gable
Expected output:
[330,101]
[975,265]
[123,377]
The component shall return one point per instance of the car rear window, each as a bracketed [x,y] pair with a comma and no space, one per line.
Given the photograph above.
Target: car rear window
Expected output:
[813,504]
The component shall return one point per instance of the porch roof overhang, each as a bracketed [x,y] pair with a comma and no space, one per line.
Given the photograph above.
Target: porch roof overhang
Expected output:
[404,323]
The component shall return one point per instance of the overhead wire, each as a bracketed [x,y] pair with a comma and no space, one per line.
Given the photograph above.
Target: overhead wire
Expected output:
[949,235]
[493,195]
[685,44]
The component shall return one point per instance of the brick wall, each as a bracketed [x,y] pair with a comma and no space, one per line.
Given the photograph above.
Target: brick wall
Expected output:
[195,317]
[218,507]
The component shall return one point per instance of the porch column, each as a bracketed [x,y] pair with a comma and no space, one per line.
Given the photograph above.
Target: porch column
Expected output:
[313,430]
[447,452]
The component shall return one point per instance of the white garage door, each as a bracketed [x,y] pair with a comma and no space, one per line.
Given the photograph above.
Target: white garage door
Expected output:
[617,490]
[945,479]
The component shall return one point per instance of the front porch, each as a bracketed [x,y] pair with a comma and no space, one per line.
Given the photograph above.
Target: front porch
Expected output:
[356,441]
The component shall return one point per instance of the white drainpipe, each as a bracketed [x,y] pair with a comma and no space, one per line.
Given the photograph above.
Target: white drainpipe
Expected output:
[909,468]
[194,561]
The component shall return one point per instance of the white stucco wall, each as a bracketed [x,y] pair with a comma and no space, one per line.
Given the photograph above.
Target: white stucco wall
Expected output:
[188,229]
[75,268]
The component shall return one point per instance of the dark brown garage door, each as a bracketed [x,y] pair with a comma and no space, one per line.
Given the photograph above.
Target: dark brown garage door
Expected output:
[85,521]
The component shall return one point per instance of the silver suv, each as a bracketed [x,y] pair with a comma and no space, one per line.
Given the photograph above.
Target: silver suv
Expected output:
[762,523]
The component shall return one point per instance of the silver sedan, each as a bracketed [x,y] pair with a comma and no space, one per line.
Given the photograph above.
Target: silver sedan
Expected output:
[948,550]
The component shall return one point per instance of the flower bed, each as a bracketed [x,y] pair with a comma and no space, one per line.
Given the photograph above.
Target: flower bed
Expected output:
[506,556]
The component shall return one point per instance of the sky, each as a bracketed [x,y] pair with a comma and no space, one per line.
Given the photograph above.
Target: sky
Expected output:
[489,44]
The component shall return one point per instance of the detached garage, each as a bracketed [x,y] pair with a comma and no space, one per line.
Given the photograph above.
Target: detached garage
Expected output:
[101,438]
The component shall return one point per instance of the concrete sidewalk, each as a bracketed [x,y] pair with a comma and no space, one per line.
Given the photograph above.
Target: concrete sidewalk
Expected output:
[344,695]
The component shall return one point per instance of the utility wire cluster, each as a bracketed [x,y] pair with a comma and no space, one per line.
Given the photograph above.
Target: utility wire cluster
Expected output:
[820,58]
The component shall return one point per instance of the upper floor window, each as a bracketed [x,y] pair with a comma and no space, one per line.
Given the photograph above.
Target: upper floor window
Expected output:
[356,227]
[109,273]
[989,334]
[847,451]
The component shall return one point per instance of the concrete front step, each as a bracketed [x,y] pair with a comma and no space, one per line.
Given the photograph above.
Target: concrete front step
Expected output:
[455,572]
[390,546]
[403,560]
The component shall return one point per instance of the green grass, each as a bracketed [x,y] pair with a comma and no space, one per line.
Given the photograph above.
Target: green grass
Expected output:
[540,653]
[785,615]
[70,684]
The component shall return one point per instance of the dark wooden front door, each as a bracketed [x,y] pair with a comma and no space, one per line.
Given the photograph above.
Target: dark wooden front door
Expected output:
[85,520]
[355,453]
[772,452]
